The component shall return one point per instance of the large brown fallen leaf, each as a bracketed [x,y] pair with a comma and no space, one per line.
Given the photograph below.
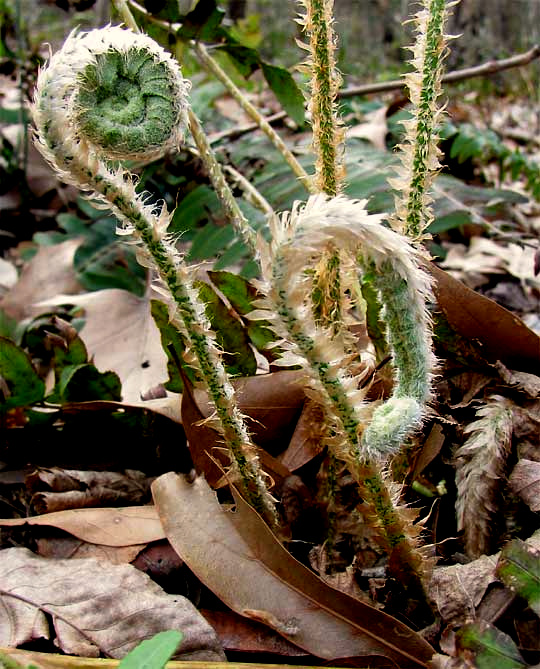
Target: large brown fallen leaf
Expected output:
[241,561]
[120,335]
[127,526]
[500,335]
[206,444]
[96,607]
[272,403]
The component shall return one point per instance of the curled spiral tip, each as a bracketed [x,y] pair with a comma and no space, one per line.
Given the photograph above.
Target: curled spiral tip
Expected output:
[116,90]
[391,424]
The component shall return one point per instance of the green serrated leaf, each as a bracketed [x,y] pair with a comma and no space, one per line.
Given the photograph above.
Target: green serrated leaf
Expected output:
[153,653]
[519,568]
[230,333]
[21,384]
[491,648]
[286,90]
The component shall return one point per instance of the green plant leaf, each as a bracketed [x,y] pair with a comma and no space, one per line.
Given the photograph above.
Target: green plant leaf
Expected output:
[106,261]
[287,92]
[173,345]
[203,23]
[230,333]
[83,383]
[153,653]
[211,240]
[491,648]
[519,568]
[195,207]
[241,294]
[21,384]
[236,289]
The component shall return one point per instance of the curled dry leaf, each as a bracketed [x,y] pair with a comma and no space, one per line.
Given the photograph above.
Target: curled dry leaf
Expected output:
[58,489]
[95,607]
[242,562]
[108,527]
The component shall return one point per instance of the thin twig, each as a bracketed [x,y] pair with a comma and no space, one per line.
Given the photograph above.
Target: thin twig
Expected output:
[489,67]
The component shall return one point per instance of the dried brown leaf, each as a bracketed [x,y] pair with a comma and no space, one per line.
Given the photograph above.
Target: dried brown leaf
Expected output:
[239,634]
[272,403]
[206,444]
[480,463]
[48,273]
[307,439]
[95,607]
[70,548]
[109,527]
[500,334]
[121,335]
[241,561]
[459,589]
[525,482]
[58,489]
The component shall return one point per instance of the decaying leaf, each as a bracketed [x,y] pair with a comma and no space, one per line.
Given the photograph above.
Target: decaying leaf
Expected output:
[108,527]
[272,402]
[480,463]
[120,335]
[58,489]
[241,561]
[95,607]
[457,590]
[206,444]
[525,482]
[500,334]
[48,273]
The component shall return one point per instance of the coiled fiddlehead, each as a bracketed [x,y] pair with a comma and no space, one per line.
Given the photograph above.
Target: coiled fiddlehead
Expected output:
[113,94]
[403,286]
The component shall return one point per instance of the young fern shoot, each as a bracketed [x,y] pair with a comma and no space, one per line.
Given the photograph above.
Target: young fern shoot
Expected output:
[419,151]
[110,95]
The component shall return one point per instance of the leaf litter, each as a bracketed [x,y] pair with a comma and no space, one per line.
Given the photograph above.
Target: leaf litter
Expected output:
[494,366]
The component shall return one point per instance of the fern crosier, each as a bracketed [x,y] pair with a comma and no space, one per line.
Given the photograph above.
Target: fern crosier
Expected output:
[113,94]
[419,151]
[299,238]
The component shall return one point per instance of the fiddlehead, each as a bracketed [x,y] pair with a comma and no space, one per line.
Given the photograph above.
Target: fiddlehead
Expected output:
[113,94]
[360,437]
[403,288]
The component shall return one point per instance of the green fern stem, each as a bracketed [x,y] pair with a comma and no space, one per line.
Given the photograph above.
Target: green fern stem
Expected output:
[327,134]
[221,187]
[62,119]
[341,405]
[425,131]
